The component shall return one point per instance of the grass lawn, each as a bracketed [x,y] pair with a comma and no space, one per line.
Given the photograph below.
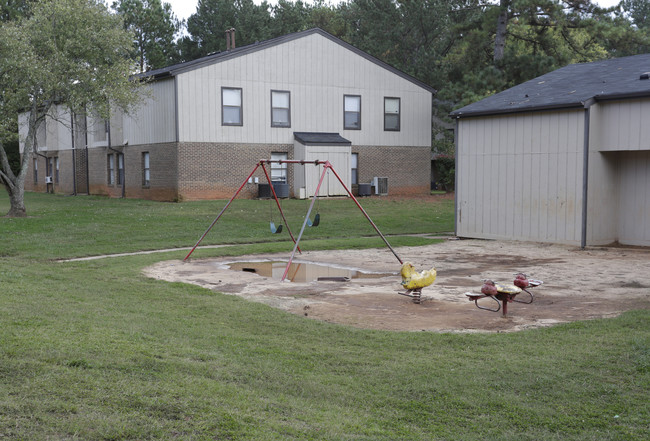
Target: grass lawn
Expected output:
[95,351]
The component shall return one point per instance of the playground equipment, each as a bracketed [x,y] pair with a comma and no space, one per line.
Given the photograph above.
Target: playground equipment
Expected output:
[327,167]
[504,294]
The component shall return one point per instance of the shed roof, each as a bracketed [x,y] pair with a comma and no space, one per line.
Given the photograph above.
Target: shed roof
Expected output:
[219,57]
[320,138]
[569,87]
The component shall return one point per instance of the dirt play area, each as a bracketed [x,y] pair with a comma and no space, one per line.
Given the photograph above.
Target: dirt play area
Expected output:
[578,284]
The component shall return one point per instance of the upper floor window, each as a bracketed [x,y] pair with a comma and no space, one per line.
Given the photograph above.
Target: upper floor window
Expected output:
[231,106]
[100,129]
[280,108]
[352,112]
[392,114]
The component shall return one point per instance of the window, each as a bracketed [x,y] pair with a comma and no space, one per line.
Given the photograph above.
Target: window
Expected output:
[111,169]
[354,162]
[100,129]
[56,169]
[35,171]
[392,114]
[231,107]
[280,108]
[279,171]
[145,169]
[120,169]
[49,167]
[352,112]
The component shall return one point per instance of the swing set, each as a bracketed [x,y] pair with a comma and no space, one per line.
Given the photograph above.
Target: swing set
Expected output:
[307,222]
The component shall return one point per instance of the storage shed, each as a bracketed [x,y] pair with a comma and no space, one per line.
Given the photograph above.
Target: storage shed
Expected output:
[562,158]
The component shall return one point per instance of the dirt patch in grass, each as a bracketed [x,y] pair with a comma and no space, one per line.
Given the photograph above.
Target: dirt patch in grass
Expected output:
[578,285]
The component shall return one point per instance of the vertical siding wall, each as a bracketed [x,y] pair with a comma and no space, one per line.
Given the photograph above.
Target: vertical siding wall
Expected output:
[155,120]
[622,125]
[520,177]
[634,208]
[317,72]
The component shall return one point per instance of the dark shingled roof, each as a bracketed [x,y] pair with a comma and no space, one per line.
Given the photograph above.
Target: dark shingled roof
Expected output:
[218,57]
[569,87]
[319,138]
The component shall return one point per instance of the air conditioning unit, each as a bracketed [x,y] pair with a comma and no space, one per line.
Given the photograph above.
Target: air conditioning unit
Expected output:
[48,179]
[381,185]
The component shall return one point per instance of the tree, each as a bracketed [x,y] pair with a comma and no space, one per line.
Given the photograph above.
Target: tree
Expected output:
[12,9]
[207,26]
[70,52]
[154,27]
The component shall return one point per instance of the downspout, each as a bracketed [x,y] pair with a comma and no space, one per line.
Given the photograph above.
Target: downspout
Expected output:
[456,217]
[585,171]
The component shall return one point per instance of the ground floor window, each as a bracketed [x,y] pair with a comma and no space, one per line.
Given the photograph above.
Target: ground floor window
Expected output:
[49,168]
[354,162]
[35,171]
[279,171]
[56,169]
[120,169]
[146,177]
[110,165]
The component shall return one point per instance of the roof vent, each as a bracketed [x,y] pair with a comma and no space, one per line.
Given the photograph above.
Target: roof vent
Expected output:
[645,76]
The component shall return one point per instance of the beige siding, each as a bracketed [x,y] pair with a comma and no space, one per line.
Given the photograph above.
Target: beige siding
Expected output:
[634,217]
[622,125]
[155,120]
[318,73]
[520,177]
[308,176]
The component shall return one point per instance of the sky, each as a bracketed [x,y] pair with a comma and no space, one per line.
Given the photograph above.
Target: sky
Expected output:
[184,8]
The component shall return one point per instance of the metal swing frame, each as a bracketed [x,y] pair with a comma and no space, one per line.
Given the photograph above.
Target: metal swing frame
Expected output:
[307,222]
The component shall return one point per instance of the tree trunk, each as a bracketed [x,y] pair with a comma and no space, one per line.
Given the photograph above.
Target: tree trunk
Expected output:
[500,36]
[17,201]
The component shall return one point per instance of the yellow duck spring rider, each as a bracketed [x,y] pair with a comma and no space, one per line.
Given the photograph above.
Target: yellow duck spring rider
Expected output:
[414,281]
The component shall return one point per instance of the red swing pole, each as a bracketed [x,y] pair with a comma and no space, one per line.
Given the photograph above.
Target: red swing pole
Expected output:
[275,196]
[311,206]
[222,211]
[365,214]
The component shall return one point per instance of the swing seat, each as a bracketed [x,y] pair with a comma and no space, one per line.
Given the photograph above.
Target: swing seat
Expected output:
[276,230]
[315,222]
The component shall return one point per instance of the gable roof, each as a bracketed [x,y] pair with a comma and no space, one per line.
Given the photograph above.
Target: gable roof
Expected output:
[219,57]
[571,86]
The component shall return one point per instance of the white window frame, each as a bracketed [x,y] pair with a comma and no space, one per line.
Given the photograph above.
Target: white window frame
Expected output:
[279,171]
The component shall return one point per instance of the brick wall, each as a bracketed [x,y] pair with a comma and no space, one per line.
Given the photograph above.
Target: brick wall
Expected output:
[408,168]
[190,171]
[214,171]
[163,163]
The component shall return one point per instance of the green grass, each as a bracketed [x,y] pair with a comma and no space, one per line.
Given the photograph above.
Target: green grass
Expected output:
[95,351]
